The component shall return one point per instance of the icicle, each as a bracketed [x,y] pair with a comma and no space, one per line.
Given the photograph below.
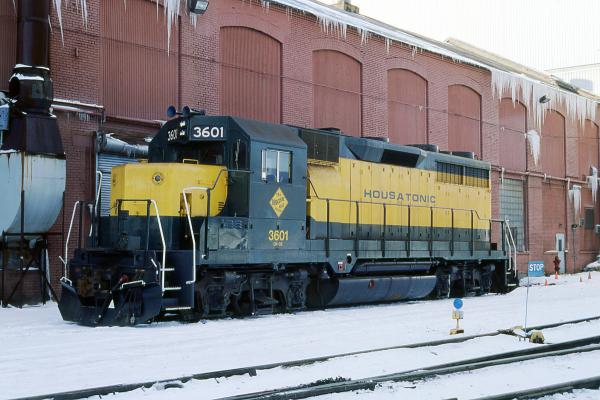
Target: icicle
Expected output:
[533,138]
[577,107]
[388,44]
[592,182]
[575,198]
[266,4]
[15,6]
[171,13]
[58,6]
[84,12]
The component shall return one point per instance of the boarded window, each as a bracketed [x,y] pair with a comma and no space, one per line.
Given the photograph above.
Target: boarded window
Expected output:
[407,107]
[590,238]
[553,144]
[589,218]
[337,91]
[513,125]
[250,74]
[588,147]
[139,76]
[464,119]
[8,43]
[512,208]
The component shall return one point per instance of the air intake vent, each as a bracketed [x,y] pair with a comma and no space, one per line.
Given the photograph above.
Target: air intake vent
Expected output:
[321,145]
[464,154]
[434,148]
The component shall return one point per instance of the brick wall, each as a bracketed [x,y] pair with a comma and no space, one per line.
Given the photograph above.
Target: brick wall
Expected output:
[78,62]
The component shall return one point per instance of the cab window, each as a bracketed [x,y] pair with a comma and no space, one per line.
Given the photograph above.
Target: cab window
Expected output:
[276,166]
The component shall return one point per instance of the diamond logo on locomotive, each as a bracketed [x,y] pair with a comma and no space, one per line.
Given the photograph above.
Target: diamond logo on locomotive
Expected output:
[278,202]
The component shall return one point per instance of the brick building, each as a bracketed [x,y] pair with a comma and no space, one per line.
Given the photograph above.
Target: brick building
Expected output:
[305,64]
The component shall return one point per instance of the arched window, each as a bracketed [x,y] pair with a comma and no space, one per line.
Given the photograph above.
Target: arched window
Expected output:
[553,144]
[464,119]
[139,77]
[513,125]
[8,44]
[250,74]
[589,149]
[336,94]
[407,107]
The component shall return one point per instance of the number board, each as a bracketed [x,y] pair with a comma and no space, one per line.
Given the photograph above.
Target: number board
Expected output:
[207,133]
[535,268]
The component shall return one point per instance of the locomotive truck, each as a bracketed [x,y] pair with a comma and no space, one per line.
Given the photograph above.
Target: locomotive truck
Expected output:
[235,217]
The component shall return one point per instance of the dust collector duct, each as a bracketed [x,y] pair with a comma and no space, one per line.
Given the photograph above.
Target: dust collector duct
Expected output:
[109,144]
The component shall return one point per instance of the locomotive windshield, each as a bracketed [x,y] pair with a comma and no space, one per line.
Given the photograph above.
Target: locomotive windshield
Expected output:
[207,153]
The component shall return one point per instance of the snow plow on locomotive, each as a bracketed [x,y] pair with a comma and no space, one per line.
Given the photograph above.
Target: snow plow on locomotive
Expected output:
[237,217]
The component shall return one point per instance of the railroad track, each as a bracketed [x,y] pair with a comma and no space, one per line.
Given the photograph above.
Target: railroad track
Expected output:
[319,389]
[535,393]
[336,385]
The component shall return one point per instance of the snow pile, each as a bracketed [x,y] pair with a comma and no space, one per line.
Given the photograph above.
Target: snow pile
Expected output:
[575,198]
[533,138]
[577,107]
[592,182]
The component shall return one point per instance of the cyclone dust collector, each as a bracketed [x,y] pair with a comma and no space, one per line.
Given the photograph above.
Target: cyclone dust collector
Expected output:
[32,160]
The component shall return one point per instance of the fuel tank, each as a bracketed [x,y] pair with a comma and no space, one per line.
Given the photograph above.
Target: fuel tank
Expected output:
[347,291]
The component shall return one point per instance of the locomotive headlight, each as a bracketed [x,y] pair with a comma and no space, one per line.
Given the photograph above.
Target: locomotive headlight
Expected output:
[158,178]
[197,6]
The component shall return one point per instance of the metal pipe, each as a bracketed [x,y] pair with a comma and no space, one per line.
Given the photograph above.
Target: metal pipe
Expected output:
[33,32]
[109,144]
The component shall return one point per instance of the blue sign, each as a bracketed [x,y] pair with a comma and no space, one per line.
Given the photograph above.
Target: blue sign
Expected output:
[458,303]
[535,268]
[4,116]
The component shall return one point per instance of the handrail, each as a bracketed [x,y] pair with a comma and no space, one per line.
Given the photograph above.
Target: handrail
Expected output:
[98,190]
[160,229]
[402,205]
[64,260]
[513,252]
[189,218]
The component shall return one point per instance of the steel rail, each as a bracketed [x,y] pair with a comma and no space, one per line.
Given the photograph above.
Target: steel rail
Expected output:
[541,391]
[252,370]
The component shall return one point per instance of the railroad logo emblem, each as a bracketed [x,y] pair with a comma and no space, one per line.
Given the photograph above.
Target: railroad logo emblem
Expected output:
[278,202]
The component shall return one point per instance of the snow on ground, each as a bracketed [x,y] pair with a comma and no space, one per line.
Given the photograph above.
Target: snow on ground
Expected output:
[352,367]
[358,366]
[488,381]
[57,356]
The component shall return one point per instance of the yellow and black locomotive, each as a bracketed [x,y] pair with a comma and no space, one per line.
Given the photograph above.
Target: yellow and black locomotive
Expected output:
[236,217]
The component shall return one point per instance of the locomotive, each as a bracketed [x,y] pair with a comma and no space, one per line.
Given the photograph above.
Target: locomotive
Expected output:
[236,217]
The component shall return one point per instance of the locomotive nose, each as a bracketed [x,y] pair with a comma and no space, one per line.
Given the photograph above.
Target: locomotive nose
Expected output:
[165,183]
